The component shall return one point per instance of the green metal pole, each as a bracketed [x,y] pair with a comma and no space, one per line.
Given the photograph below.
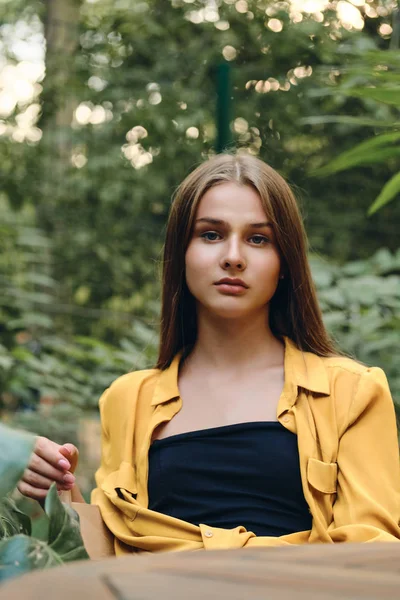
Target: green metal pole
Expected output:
[224,107]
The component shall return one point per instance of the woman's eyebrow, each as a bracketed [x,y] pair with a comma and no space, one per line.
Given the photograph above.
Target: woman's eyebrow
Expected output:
[220,222]
[263,224]
[210,220]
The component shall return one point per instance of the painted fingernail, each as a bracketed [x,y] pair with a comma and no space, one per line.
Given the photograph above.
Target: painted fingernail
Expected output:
[68,478]
[64,464]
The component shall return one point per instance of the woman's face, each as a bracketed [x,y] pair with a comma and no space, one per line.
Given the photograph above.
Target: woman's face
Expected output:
[232,261]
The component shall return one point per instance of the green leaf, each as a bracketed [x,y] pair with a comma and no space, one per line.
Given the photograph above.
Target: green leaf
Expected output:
[6,362]
[334,297]
[40,279]
[344,162]
[30,236]
[388,193]
[355,268]
[64,530]
[21,554]
[14,556]
[363,291]
[15,450]
[383,261]
[334,318]
[12,520]
[31,319]
[367,152]
[386,95]
[347,120]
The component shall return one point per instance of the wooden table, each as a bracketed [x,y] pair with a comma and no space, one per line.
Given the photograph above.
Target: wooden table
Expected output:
[323,572]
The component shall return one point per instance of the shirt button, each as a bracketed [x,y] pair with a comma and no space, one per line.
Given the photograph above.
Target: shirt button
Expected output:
[208,533]
[286,419]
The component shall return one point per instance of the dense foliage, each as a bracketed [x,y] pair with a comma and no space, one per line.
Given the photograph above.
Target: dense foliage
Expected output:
[361,305]
[374,76]
[139,87]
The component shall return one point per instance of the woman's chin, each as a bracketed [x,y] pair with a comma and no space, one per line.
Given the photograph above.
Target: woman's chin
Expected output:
[230,312]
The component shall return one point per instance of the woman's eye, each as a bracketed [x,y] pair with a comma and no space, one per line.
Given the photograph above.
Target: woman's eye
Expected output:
[259,240]
[210,236]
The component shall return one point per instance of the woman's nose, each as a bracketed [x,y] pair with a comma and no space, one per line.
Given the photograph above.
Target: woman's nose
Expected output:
[229,264]
[233,258]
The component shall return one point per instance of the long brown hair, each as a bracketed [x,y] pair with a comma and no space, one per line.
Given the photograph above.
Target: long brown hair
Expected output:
[294,309]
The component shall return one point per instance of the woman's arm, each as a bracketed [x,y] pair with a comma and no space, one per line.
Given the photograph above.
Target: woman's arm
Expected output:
[367,507]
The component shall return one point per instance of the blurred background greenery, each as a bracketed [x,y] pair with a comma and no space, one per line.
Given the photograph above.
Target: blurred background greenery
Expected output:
[106,105]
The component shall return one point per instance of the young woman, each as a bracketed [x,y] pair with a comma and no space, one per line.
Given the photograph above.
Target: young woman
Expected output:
[252,430]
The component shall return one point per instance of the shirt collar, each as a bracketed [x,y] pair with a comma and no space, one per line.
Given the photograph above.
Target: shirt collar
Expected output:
[302,369]
[305,369]
[166,387]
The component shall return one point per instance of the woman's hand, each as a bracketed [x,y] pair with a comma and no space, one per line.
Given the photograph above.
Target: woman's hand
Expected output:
[49,462]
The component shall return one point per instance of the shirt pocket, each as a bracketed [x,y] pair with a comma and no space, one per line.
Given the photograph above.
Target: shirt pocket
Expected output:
[322,476]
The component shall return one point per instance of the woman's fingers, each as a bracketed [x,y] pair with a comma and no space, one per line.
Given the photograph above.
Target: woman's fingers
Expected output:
[36,486]
[45,469]
[31,492]
[49,463]
[38,480]
[71,453]
[50,452]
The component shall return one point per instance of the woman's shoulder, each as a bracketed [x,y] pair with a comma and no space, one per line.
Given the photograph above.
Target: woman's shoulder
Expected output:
[127,387]
[133,379]
[344,364]
[351,368]
[356,389]
[357,384]
[351,372]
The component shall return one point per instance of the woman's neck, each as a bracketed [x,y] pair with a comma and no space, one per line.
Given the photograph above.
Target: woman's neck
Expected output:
[232,343]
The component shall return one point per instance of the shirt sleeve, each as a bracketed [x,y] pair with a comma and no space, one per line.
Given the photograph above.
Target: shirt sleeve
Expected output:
[109,461]
[368,486]
[107,464]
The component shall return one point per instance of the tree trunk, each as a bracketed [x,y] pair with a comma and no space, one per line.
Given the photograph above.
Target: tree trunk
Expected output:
[59,98]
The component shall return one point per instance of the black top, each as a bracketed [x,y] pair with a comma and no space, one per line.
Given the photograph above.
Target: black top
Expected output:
[245,474]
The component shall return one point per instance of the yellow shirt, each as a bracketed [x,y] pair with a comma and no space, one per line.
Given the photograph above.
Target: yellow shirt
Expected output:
[343,415]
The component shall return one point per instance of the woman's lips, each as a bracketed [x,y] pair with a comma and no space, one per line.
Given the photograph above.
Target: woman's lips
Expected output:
[231,289]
